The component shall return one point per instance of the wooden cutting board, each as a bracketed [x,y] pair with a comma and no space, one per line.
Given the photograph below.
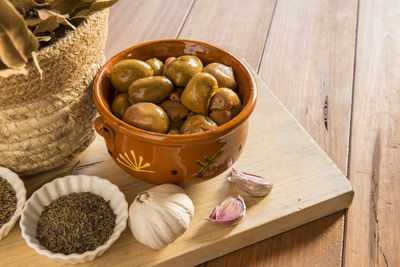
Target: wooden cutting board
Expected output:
[307,186]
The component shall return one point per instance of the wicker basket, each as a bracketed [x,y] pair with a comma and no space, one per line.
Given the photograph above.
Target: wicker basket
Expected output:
[45,123]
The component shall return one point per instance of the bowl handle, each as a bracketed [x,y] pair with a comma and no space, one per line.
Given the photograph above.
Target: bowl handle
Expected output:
[107,132]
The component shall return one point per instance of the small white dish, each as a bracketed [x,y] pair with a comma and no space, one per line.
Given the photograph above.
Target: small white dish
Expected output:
[64,186]
[20,192]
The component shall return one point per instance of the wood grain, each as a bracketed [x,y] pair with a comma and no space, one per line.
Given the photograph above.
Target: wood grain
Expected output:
[133,22]
[307,186]
[238,26]
[373,233]
[309,54]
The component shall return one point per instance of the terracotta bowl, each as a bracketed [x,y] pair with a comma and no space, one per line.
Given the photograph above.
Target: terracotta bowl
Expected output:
[165,158]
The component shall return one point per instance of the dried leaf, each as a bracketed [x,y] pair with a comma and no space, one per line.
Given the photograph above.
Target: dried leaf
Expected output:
[16,40]
[25,3]
[50,20]
[94,7]
[43,38]
[68,6]
[7,72]
[36,62]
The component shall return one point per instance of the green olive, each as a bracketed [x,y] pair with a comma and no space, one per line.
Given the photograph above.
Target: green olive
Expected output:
[126,71]
[181,69]
[150,89]
[119,104]
[224,105]
[198,92]
[222,73]
[156,65]
[175,110]
[197,123]
[147,116]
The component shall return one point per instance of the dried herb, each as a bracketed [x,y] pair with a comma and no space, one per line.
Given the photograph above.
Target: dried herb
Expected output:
[8,201]
[75,223]
[25,23]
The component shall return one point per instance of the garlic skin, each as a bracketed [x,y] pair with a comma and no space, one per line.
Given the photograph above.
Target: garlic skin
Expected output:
[229,211]
[160,215]
[252,185]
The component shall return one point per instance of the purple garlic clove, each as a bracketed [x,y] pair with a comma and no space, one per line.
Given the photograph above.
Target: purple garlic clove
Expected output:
[252,185]
[229,211]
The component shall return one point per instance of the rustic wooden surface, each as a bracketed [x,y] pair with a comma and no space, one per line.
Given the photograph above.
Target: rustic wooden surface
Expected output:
[307,186]
[346,51]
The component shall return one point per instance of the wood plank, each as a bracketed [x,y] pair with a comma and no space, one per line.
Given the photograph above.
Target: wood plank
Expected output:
[238,26]
[133,22]
[310,47]
[307,186]
[373,233]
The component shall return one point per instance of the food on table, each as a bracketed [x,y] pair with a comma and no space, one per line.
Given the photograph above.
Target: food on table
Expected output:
[157,66]
[175,97]
[198,92]
[223,74]
[197,123]
[150,89]
[127,71]
[158,216]
[147,116]
[224,105]
[167,61]
[119,104]
[252,185]
[180,70]
[175,110]
[229,211]
[75,223]
[8,201]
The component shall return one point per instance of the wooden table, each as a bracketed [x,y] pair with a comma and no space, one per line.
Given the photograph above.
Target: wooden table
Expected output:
[335,64]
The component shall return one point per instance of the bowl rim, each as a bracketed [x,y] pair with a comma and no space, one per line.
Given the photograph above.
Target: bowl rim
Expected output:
[19,189]
[74,257]
[160,138]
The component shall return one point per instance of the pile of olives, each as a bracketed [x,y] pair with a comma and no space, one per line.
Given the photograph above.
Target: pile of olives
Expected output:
[178,96]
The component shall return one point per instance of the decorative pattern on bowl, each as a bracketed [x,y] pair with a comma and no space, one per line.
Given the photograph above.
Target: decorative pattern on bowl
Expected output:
[64,186]
[20,192]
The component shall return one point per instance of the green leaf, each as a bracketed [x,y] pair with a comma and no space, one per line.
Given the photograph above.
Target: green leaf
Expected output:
[94,7]
[16,40]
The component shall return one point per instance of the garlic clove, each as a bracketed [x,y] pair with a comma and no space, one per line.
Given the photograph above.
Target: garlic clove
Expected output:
[229,211]
[252,185]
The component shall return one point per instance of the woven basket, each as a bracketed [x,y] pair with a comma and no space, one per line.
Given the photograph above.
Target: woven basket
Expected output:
[45,123]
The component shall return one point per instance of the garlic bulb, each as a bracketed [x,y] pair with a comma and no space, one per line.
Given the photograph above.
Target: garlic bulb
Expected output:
[250,184]
[160,215]
[229,211]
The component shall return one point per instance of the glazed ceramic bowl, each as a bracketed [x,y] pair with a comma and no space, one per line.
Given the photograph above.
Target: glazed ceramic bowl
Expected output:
[165,158]
[20,192]
[64,186]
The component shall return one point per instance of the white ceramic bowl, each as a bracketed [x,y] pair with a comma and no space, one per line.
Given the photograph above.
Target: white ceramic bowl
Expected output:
[64,186]
[18,185]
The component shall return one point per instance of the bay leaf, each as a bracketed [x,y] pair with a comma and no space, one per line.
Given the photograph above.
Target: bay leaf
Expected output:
[68,6]
[16,40]
[50,20]
[94,7]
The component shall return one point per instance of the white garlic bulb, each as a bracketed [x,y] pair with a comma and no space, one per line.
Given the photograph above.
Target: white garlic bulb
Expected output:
[160,215]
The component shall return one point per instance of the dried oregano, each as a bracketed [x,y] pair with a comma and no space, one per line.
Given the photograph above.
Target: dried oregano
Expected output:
[8,201]
[75,223]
